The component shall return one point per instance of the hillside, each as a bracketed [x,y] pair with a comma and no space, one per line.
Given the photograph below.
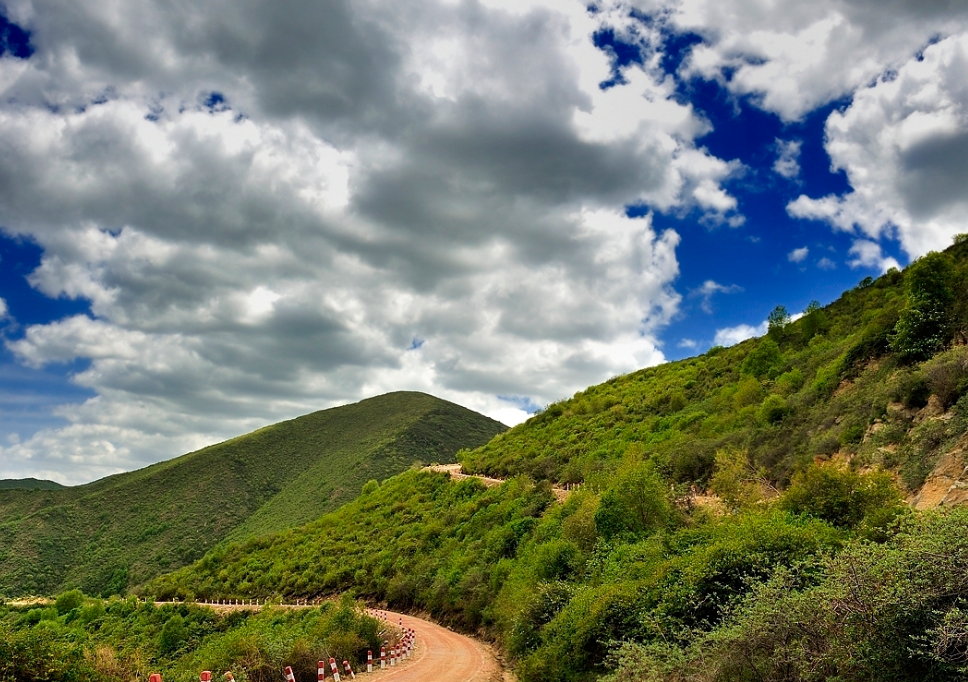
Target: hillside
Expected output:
[129,527]
[808,566]
[28,484]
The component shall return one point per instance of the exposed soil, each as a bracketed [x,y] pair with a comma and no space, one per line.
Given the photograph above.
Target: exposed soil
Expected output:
[439,655]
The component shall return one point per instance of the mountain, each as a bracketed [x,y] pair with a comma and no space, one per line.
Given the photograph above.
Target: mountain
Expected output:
[739,515]
[129,527]
[28,484]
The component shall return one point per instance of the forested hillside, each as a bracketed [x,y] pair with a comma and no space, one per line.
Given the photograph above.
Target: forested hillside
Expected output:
[129,527]
[805,563]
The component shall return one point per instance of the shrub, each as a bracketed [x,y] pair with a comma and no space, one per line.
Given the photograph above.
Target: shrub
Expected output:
[839,495]
[68,601]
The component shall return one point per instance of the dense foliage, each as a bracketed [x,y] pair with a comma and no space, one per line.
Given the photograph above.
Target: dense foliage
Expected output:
[556,584]
[844,380]
[124,529]
[88,640]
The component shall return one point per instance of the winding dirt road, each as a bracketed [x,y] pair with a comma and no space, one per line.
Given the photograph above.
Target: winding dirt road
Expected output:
[440,656]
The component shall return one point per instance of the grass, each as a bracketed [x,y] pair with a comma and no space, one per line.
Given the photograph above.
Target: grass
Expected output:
[124,529]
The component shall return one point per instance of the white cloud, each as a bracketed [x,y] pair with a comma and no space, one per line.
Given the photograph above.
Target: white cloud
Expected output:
[376,173]
[798,255]
[902,143]
[710,288]
[730,336]
[868,254]
[826,264]
[787,161]
[3,309]
[691,344]
[793,57]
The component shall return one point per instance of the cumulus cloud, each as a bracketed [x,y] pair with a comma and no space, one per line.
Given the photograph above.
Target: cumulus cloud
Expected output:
[787,161]
[791,58]
[868,254]
[730,336]
[267,208]
[798,255]
[902,143]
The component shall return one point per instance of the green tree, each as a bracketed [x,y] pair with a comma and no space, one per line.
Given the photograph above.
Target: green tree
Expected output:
[813,322]
[763,361]
[173,634]
[777,321]
[68,601]
[924,326]
[636,504]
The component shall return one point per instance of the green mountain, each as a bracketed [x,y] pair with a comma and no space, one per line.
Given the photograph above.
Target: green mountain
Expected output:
[740,514]
[129,527]
[28,484]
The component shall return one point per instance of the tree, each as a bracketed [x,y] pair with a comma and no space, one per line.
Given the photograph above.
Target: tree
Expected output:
[813,322]
[173,634]
[924,327]
[777,321]
[635,505]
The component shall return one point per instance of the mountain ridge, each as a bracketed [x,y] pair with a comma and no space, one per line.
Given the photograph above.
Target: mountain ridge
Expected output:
[128,527]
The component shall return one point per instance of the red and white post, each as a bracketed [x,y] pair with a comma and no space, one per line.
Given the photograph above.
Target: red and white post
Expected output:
[332,664]
[229,677]
[154,677]
[383,658]
[289,676]
[369,660]
[349,670]
[206,676]
[320,671]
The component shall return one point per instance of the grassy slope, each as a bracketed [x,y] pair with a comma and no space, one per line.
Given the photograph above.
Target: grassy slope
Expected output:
[559,584]
[818,397]
[28,484]
[128,527]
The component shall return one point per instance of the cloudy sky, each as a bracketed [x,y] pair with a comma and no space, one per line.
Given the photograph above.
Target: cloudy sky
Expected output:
[215,215]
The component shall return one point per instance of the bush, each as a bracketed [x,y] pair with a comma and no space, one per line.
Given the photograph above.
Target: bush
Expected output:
[68,601]
[840,496]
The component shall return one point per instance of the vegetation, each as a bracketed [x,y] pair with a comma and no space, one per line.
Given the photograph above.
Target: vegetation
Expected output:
[28,484]
[121,530]
[98,641]
[807,565]
[811,435]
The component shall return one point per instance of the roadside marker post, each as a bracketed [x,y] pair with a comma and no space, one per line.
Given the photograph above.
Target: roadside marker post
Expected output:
[289,676]
[332,664]
[349,670]
[229,677]
[383,658]
[369,660]
[320,671]
[154,677]
[206,676]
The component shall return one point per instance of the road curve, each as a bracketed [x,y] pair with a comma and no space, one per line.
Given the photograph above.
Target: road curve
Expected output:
[440,656]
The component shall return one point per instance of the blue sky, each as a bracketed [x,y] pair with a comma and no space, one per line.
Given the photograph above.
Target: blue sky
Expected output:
[208,225]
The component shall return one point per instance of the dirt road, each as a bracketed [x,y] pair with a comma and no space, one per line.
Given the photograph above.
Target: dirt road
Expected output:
[440,656]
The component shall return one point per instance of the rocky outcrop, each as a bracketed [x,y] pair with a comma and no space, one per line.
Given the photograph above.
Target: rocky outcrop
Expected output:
[947,484]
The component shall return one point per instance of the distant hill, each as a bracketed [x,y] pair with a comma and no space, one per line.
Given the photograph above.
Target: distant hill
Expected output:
[28,484]
[126,528]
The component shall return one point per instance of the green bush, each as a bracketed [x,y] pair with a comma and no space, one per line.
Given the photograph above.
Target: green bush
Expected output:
[840,495]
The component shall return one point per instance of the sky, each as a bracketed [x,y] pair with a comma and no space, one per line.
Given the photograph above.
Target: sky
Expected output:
[217,215]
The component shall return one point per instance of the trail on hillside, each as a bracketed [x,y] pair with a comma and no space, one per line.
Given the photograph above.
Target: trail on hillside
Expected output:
[456,473]
[440,655]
